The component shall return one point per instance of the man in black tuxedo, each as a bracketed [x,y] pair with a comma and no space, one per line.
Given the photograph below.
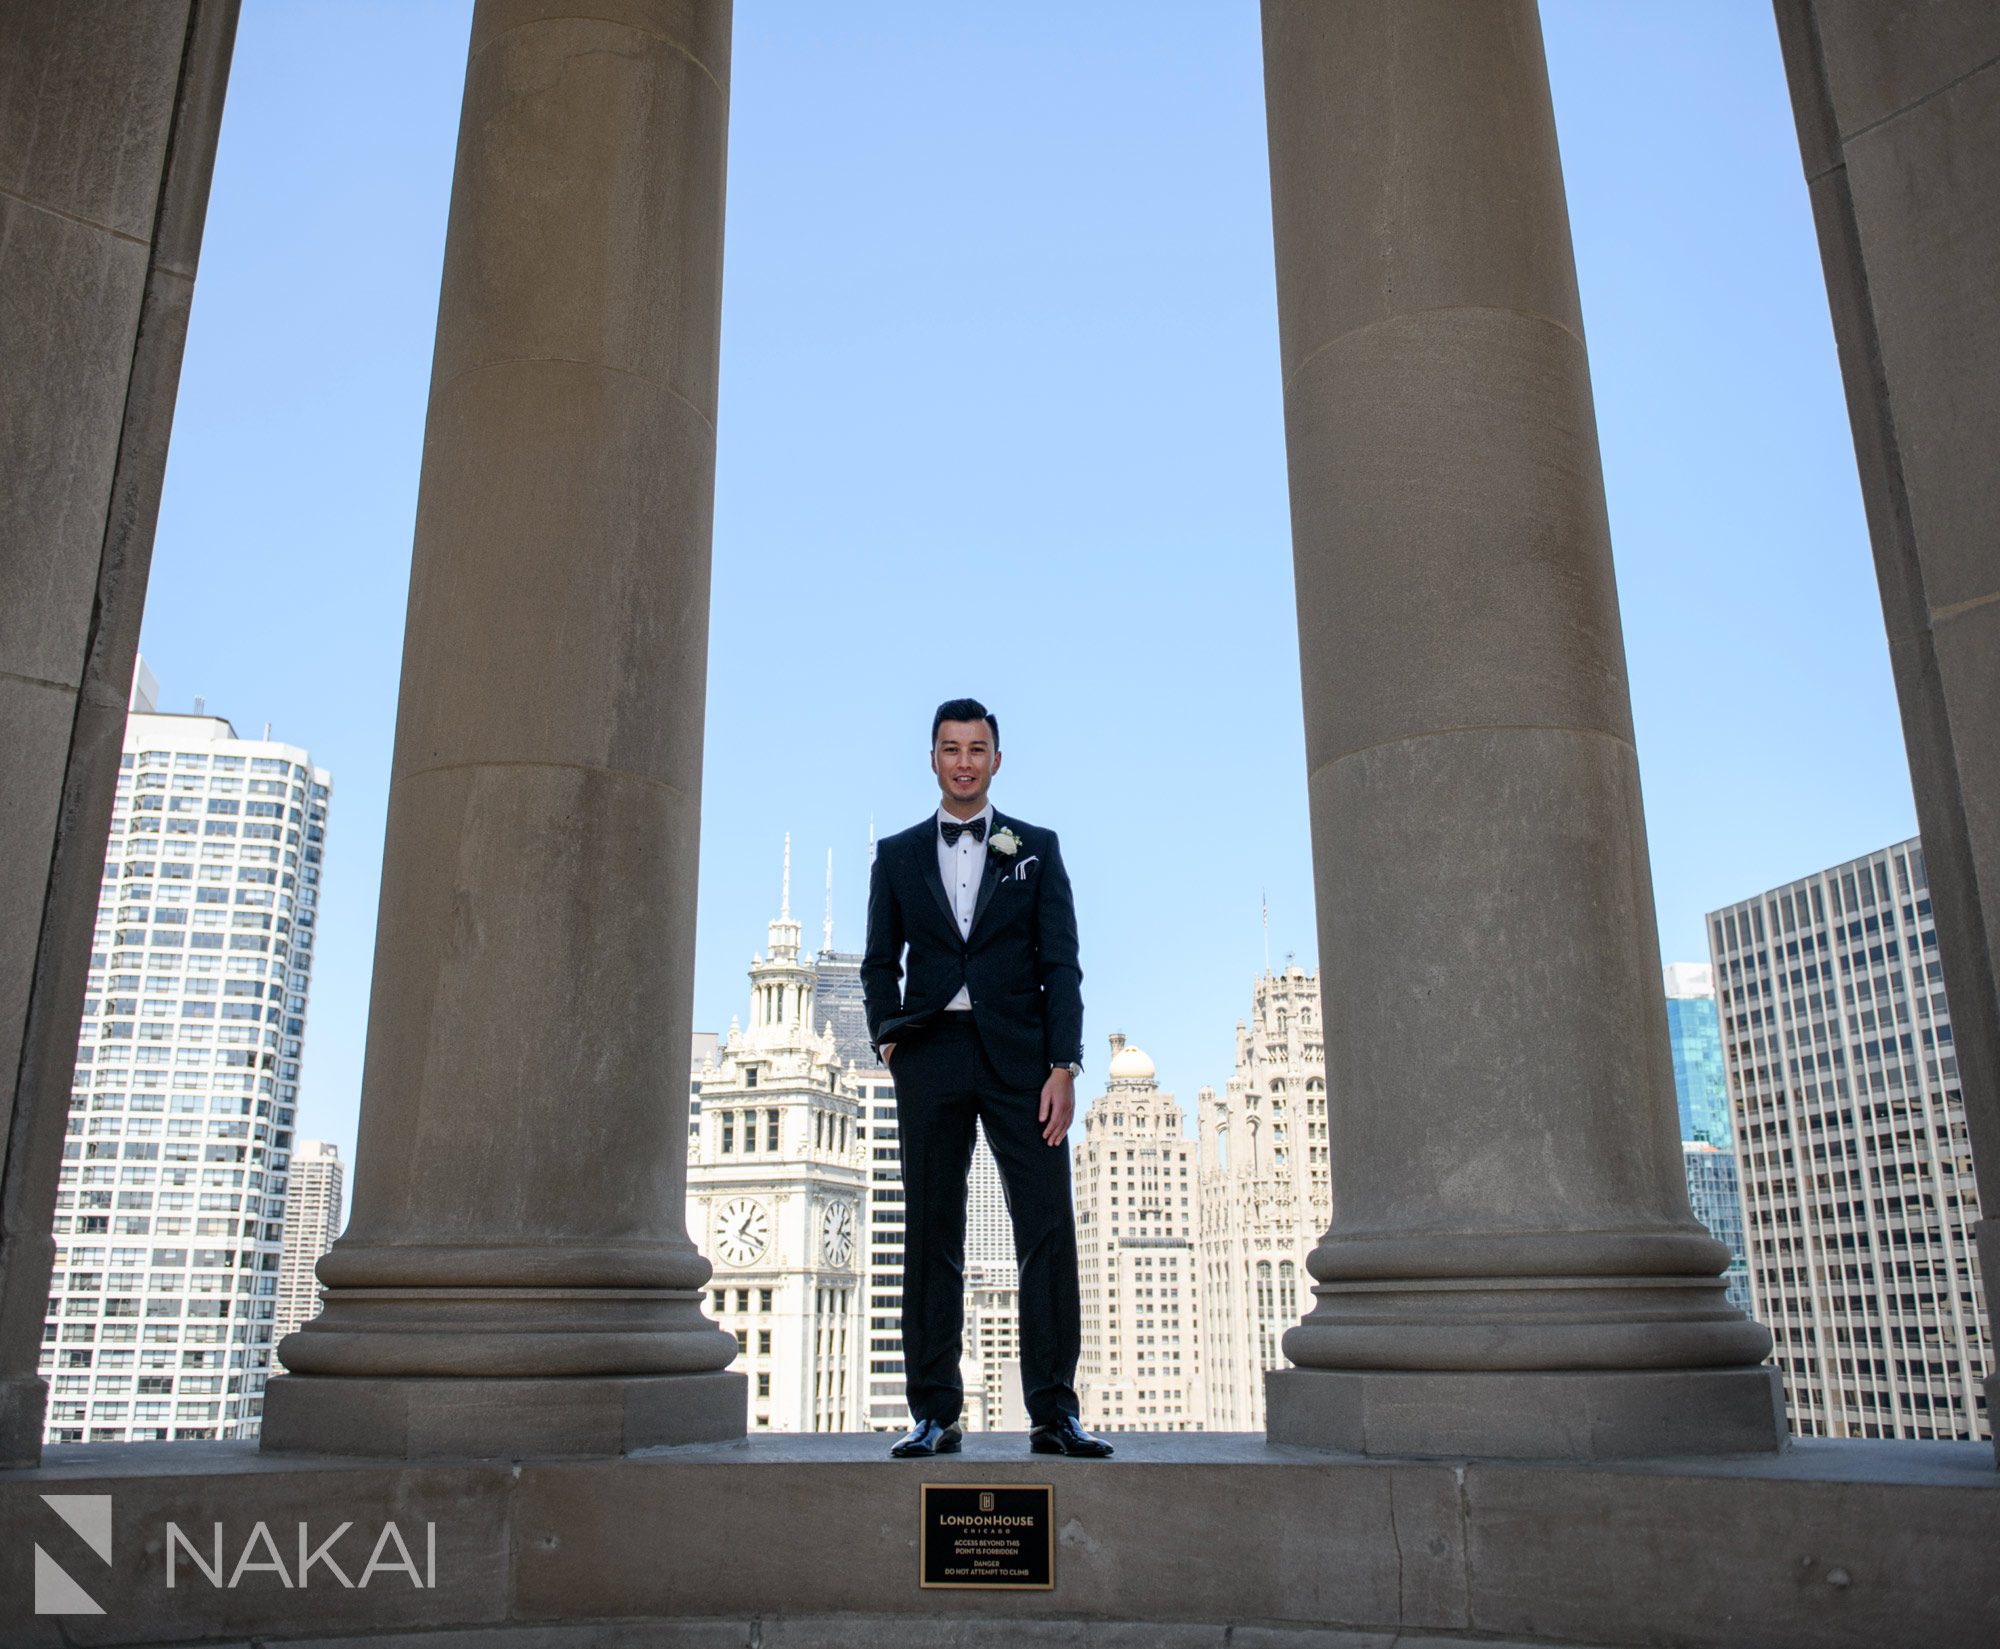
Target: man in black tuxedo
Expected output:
[987,1025]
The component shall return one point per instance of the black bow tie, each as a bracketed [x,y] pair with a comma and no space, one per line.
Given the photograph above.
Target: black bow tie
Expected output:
[953,830]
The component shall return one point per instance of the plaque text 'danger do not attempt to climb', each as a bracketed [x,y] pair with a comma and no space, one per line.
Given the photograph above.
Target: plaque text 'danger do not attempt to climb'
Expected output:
[987,1536]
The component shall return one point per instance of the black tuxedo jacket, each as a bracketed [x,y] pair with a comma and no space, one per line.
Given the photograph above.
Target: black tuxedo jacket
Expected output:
[1019,963]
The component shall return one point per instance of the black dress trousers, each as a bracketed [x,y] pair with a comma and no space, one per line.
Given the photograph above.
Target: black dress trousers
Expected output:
[944,1082]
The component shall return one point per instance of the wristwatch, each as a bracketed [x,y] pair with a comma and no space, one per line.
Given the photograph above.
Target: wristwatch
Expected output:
[1074,1068]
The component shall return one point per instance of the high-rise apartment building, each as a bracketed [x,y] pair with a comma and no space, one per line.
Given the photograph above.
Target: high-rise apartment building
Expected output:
[1701,1093]
[1134,1186]
[1266,1195]
[777,1192]
[169,1223]
[312,1221]
[1856,1171]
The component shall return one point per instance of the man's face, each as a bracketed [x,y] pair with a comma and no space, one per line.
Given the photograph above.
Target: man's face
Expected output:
[964,760]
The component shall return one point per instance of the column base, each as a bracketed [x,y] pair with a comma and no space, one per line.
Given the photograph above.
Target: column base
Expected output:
[1542,1415]
[418,1417]
[24,1407]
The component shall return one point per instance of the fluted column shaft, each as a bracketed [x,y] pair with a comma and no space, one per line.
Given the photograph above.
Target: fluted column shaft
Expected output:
[519,1188]
[1508,1191]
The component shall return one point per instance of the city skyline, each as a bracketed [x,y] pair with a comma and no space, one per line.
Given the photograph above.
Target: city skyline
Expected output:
[788,1015]
[1016,408]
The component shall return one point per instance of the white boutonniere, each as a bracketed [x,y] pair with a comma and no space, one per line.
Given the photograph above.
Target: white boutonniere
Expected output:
[1004,842]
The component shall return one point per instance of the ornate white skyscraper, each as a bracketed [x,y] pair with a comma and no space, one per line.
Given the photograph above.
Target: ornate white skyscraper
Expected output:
[1135,1192]
[170,1214]
[777,1192]
[312,1221]
[1265,1195]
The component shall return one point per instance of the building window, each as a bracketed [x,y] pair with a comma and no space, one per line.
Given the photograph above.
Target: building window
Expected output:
[770,1130]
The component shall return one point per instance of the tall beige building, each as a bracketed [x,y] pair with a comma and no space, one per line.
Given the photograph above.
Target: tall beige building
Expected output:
[1851,1146]
[312,1221]
[1134,1189]
[777,1194]
[1265,1197]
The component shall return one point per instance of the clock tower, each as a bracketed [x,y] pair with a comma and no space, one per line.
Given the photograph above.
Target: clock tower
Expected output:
[777,1189]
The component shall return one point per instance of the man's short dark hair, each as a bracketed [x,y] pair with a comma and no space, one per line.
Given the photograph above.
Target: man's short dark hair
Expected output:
[965,710]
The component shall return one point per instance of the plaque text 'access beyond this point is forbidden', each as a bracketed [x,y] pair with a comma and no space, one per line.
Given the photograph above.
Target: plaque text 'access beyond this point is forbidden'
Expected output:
[987,1536]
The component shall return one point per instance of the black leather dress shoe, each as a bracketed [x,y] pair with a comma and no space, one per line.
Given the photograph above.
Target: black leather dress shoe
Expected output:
[926,1438]
[1067,1437]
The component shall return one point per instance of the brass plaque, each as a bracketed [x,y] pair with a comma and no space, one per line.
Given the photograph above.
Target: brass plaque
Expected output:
[987,1537]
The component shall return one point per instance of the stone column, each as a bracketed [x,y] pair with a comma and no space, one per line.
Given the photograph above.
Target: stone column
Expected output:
[1512,1267]
[1898,111]
[108,120]
[516,1277]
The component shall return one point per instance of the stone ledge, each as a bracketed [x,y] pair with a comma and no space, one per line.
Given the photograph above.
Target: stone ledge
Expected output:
[413,1417]
[898,1632]
[1822,1546]
[1551,1415]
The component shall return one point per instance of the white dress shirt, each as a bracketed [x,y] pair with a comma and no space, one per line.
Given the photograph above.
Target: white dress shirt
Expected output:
[961,864]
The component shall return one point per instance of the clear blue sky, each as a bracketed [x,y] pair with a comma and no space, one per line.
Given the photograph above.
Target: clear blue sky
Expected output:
[999,317]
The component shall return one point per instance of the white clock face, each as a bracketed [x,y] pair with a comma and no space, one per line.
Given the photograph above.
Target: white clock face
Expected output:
[837,1237]
[742,1231]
